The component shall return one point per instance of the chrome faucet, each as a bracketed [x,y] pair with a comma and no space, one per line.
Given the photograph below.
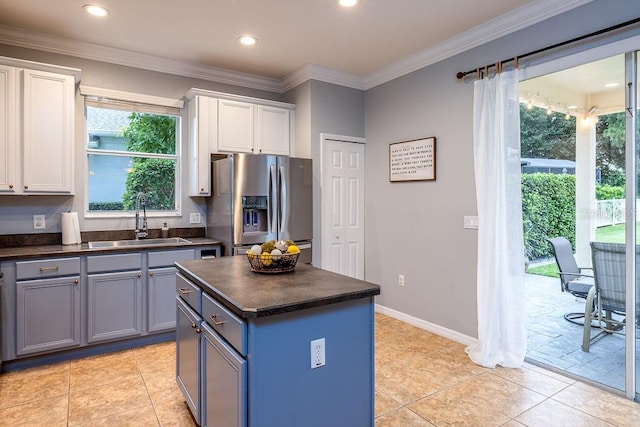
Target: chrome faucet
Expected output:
[141,222]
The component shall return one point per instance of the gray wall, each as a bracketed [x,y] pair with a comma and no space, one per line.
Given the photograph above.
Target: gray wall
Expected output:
[332,109]
[17,211]
[416,229]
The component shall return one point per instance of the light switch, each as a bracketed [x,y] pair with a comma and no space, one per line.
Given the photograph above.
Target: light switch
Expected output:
[471,222]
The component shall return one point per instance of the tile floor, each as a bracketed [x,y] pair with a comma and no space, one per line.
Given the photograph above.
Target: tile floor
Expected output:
[421,380]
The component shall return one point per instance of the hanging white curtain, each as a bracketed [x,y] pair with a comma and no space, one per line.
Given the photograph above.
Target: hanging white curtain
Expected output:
[502,337]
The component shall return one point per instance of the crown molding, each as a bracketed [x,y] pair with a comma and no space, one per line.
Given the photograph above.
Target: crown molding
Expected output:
[518,19]
[44,42]
[328,75]
[503,25]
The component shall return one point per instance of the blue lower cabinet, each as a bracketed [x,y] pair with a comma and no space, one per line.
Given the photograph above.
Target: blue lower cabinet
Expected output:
[188,356]
[224,379]
[114,306]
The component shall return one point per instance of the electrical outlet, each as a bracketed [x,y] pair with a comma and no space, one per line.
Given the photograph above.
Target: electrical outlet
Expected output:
[194,218]
[317,353]
[401,279]
[38,222]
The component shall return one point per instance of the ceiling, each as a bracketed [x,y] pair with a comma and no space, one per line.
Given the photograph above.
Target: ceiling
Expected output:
[361,46]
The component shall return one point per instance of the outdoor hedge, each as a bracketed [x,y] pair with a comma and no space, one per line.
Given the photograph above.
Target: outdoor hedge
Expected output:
[548,210]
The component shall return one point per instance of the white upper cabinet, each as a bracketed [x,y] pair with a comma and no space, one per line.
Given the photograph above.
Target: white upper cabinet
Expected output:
[236,126]
[203,140]
[224,123]
[47,127]
[36,131]
[8,127]
[272,134]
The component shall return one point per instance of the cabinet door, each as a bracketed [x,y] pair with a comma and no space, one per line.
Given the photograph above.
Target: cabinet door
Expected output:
[224,375]
[161,299]
[235,126]
[272,130]
[115,305]
[8,130]
[188,356]
[48,314]
[203,140]
[47,132]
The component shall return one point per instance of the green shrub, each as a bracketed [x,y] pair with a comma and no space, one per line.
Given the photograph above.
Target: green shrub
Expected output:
[608,192]
[548,210]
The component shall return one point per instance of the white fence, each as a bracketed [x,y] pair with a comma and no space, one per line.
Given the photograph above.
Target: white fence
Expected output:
[611,212]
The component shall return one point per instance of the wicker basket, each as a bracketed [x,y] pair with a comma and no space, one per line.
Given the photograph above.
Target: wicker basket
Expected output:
[272,264]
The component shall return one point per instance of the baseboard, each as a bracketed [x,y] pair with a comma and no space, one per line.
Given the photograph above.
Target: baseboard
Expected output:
[427,326]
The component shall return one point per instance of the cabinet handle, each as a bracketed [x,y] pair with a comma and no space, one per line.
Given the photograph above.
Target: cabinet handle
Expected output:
[202,190]
[11,186]
[198,330]
[151,273]
[139,274]
[48,269]
[193,325]
[26,187]
[184,291]
[216,322]
[76,281]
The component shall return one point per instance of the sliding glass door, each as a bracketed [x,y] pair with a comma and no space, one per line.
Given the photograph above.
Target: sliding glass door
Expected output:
[580,181]
[632,300]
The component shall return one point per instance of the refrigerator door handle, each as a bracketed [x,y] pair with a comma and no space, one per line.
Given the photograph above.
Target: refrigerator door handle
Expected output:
[273,182]
[282,199]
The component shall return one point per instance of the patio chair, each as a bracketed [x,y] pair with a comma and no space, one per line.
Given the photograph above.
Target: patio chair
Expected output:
[608,294]
[572,278]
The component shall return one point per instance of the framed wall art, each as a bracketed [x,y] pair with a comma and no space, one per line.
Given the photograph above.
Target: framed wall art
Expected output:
[413,160]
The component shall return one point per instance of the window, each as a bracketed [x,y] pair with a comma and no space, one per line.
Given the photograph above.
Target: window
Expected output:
[132,148]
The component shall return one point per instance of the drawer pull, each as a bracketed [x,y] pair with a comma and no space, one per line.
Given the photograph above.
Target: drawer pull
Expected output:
[184,291]
[76,281]
[151,273]
[216,322]
[48,269]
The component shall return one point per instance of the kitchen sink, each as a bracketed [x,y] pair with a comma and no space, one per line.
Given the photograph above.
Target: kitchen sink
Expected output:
[141,242]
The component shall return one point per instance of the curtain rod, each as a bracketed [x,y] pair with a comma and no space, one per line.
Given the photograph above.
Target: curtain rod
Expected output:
[515,59]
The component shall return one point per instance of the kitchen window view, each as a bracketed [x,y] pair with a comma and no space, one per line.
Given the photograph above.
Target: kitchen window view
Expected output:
[131,151]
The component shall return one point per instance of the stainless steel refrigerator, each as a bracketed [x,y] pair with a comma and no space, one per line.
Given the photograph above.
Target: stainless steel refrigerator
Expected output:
[257,198]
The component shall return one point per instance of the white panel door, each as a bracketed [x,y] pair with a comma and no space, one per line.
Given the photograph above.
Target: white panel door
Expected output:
[343,208]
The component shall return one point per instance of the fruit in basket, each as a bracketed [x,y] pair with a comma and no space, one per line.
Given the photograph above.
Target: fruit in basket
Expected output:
[281,246]
[255,250]
[268,246]
[275,254]
[265,259]
[293,249]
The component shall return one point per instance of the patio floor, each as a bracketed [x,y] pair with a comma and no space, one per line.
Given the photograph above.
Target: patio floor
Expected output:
[553,341]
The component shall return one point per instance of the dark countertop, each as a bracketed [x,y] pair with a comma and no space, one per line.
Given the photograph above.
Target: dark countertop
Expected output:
[250,295]
[37,251]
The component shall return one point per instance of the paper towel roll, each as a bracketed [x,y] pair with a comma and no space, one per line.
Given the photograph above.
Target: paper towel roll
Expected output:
[70,229]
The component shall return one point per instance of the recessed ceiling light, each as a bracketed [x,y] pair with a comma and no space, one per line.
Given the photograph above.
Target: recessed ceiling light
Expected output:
[612,85]
[248,40]
[347,3]
[95,10]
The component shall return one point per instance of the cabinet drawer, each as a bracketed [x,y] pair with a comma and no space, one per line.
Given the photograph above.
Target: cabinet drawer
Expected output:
[167,258]
[119,262]
[227,324]
[47,268]
[189,292]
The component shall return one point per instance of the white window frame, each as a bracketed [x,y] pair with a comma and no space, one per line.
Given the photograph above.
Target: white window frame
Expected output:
[108,98]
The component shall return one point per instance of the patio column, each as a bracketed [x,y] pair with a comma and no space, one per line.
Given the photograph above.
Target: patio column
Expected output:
[586,207]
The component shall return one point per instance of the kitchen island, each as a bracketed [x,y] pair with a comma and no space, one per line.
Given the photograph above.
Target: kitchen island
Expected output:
[288,349]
